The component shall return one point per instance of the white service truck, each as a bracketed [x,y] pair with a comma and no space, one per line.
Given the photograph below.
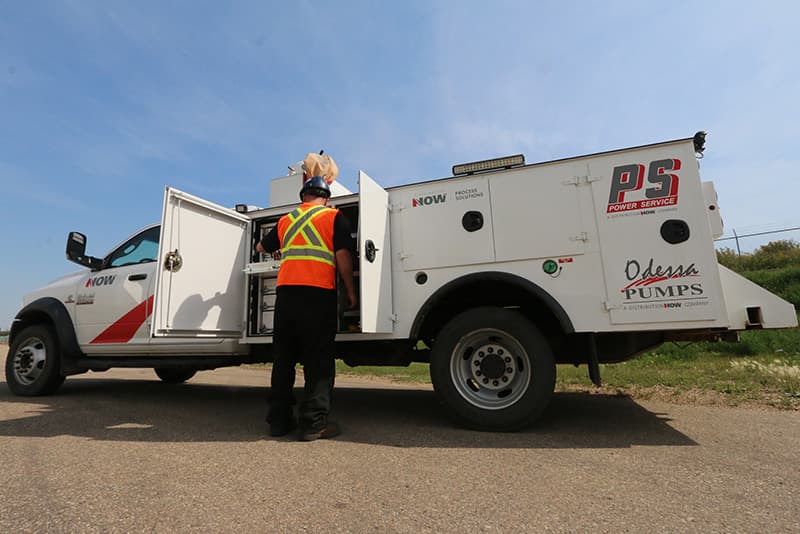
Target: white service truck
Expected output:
[493,275]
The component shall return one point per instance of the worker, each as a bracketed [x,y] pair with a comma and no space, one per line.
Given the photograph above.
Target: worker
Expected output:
[313,242]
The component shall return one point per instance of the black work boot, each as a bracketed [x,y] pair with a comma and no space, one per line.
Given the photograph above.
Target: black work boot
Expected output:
[281,428]
[331,430]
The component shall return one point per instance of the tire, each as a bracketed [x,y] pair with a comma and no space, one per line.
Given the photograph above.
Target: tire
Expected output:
[175,375]
[33,364]
[492,369]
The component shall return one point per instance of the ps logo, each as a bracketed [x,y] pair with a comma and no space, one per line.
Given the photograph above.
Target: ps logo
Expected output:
[630,178]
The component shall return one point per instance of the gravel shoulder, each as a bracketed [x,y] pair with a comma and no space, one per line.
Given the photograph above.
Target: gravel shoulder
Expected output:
[121,451]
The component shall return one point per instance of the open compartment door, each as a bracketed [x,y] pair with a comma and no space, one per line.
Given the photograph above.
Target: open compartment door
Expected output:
[200,281]
[375,264]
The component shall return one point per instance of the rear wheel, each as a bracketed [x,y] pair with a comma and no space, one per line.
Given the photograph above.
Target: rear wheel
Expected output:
[492,369]
[33,364]
[175,375]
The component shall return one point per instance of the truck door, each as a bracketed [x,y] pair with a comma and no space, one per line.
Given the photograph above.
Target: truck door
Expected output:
[375,263]
[655,237]
[200,277]
[112,305]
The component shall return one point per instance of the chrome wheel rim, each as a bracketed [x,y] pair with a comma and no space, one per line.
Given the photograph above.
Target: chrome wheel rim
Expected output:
[29,360]
[490,369]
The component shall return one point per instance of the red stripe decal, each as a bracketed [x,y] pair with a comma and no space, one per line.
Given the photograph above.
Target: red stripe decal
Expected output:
[126,326]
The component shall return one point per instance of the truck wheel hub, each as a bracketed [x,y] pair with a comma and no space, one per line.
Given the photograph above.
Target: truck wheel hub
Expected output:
[29,361]
[25,358]
[493,367]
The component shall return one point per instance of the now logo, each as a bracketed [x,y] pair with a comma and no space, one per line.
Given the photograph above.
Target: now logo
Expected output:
[101,280]
[427,200]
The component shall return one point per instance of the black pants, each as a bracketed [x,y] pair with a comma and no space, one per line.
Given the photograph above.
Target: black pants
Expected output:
[304,332]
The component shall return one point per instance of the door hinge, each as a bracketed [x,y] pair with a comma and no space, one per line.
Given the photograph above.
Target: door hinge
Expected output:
[393,317]
[403,256]
[394,208]
[608,306]
[583,236]
[580,180]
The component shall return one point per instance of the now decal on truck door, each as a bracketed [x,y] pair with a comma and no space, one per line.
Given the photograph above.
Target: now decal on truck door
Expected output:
[106,280]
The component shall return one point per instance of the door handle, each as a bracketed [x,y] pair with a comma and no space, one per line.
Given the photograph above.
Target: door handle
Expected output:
[134,277]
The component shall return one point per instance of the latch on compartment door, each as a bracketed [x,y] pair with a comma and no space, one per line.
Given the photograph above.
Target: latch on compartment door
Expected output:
[369,250]
[173,261]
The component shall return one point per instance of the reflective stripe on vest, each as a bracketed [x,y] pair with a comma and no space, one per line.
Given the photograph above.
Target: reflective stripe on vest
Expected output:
[315,250]
[307,253]
[299,221]
[307,257]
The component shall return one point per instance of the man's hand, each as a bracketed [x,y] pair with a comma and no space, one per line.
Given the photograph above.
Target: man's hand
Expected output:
[344,263]
[275,255]
[352,300]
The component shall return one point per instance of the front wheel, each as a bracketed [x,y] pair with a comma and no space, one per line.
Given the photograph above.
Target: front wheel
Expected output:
[33,364]
[175,375]
[492,369]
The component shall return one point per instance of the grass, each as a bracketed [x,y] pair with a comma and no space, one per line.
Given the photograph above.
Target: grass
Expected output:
[414,373]
[706,377]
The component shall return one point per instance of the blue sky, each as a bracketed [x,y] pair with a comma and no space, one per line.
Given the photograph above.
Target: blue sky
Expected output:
[103,104]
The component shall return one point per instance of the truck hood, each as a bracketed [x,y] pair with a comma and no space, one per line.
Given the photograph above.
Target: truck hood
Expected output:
[59,288]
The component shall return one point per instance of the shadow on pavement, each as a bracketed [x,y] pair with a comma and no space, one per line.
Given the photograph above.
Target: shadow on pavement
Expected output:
[145,410]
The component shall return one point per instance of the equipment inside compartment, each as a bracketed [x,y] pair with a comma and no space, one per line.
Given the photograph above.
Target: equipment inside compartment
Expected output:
[262,290]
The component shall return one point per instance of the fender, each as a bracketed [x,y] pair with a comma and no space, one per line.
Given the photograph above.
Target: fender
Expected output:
[525,286]
[52,310]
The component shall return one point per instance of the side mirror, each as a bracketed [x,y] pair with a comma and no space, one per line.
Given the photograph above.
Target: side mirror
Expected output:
[76,251]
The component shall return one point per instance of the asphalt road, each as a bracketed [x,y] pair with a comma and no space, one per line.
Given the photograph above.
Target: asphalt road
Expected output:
[122,452]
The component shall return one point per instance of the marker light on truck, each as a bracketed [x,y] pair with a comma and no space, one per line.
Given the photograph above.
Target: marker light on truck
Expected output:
[489,165]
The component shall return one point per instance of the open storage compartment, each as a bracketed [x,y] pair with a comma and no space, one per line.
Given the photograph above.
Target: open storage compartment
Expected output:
[262,275]
[368,215]
[349,321]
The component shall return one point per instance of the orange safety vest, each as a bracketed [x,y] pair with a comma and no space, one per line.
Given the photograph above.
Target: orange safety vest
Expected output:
[307,255]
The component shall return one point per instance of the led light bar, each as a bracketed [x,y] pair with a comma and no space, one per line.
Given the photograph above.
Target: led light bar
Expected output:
[489,165]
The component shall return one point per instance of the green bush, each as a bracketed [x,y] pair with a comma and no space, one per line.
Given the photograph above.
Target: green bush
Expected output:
[784,282]
[728,257]
[773,255]
[774,266]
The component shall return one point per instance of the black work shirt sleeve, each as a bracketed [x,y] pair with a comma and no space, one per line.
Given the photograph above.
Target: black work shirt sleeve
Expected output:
[342,233]
[270,242]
